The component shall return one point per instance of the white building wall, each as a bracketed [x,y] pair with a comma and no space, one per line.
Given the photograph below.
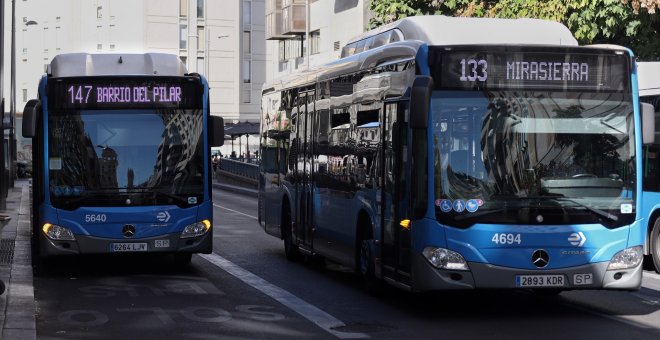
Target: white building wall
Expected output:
[112,26]
[336,20]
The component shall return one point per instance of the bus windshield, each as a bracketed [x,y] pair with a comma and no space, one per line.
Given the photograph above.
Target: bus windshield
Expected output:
[524,156]
[125,157]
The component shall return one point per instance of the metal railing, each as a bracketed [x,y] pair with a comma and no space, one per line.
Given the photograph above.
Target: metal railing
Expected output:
[248,169]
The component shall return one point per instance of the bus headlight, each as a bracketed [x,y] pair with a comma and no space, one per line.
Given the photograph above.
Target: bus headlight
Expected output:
[445,259]
[55,232]
[626,259]
[196,229]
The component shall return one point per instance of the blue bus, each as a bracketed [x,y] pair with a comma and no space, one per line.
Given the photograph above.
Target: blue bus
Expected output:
[649,93]
[121,147]
[460,153]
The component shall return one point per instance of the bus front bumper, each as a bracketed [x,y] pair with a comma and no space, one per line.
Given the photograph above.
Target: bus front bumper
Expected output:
[486,276]
[168,243]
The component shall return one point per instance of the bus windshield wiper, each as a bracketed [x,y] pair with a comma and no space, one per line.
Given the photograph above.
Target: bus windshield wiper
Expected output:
[596,211]
[561,198]
[157,193]
[480,213]
[105,191]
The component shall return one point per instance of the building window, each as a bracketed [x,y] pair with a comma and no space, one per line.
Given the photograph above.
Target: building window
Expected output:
[99,12]
[201,41]
[200,9]
[315,42]
[184,60]
[112,47]
[200,66]
[289,49]
[183,8]
[247,12]
[24,50]
[246,71]
[25,95]
[99,47]
[247,49]
[183,36]
[281,55]
[247,95]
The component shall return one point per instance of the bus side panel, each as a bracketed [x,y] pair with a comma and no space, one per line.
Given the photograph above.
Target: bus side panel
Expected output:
[650,205]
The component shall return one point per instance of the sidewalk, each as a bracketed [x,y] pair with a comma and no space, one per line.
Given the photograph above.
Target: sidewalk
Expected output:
[17,305]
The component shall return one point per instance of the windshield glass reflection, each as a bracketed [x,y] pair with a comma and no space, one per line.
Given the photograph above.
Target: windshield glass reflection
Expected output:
[512,150]
[106,156]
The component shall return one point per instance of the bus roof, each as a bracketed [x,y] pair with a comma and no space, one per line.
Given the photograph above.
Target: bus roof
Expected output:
[86,64]
[648,78]
[444,30]
[412,32]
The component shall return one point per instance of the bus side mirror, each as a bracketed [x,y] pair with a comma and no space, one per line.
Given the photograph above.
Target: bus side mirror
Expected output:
[648,124]
[420,100]
[31,113]
[217,131]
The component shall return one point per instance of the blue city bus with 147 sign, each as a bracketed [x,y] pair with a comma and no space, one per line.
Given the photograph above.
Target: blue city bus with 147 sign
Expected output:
[121,147]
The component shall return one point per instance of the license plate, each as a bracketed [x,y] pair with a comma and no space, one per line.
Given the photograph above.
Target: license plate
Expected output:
[120,247]
[540,281]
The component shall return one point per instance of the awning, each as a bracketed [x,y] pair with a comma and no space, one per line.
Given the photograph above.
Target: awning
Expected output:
[240,129]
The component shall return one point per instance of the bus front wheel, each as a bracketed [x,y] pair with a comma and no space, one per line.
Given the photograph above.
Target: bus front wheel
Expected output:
[654,245]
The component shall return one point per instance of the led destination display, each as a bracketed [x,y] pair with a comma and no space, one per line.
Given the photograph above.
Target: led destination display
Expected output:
[496,68]
[114,93]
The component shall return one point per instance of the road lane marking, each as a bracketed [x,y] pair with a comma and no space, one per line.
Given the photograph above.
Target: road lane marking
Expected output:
[651,275]
[235,211]
[310,312]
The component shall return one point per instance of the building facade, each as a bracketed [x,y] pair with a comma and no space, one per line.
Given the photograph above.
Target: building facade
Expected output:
[222,39]
[331,24]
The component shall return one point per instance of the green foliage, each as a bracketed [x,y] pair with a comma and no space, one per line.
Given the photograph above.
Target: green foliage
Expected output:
[622,22]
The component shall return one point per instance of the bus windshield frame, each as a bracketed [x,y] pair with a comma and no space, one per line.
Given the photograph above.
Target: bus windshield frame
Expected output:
[107,149]
[512,149]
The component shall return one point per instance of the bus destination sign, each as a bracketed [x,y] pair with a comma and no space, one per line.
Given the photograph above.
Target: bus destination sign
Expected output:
[481,70]
[111,94]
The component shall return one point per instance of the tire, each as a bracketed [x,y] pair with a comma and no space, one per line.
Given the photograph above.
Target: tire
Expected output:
[654,245]
[290,249]
[366,267]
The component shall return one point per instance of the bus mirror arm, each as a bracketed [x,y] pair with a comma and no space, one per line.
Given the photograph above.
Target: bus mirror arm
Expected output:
[217,131]
[420,100]
[31,113]
[648,124]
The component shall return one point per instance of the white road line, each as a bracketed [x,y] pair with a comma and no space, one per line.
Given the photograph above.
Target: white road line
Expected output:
[235,211]
[651,275]
[322,319]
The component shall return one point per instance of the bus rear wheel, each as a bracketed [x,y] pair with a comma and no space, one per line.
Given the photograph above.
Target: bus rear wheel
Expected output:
[290,249]
[654,245]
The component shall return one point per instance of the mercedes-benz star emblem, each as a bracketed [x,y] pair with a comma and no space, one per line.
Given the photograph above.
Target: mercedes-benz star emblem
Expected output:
[540,258]
[128,230]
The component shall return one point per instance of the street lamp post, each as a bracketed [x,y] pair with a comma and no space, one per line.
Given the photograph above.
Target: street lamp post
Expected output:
[11,126]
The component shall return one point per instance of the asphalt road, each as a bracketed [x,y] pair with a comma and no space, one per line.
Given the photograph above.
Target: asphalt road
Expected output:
[248,290]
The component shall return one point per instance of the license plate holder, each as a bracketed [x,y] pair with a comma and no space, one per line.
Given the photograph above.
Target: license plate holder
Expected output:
[536,281]
[128,247]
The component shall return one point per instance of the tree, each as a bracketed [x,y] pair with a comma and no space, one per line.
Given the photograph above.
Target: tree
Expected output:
[631,23]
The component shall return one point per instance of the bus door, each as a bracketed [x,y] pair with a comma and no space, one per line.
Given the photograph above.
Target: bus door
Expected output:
[304,214]
[396,239]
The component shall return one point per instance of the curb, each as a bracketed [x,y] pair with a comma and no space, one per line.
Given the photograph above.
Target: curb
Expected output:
[20,312]
[236,189]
